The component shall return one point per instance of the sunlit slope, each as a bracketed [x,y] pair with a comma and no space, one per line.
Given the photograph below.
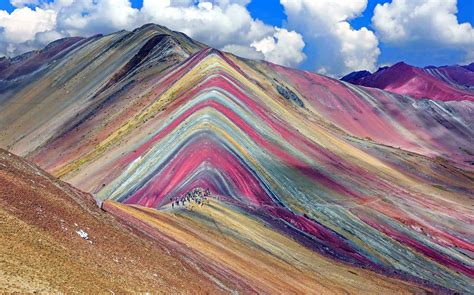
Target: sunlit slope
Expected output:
[248,250]
[75,82]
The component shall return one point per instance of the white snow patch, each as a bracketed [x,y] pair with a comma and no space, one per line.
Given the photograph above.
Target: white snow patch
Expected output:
[83,234]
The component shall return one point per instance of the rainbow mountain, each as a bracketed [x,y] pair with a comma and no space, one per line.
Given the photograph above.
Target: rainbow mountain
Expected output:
[318,185]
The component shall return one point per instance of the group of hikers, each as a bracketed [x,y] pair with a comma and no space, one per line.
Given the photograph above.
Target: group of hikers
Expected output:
[198,196]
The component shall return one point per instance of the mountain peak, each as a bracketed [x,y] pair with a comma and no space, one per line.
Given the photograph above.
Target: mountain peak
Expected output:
[442,83]
[355,75]
[153,28]
[470,67]
[401,65]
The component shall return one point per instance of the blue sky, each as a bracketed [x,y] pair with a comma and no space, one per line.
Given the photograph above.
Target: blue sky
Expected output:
[272,12]
[328,36]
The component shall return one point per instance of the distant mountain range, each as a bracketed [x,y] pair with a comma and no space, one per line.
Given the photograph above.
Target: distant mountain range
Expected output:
[441,83]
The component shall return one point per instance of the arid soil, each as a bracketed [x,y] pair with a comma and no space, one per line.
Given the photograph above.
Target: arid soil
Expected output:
[41,251]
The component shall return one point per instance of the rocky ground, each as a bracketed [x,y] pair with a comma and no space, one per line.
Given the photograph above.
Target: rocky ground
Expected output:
[42,251]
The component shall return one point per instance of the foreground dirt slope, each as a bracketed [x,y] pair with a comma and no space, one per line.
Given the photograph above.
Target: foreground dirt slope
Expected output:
[40,249]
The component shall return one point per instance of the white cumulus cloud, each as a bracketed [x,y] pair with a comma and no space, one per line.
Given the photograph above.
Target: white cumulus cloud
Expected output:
[339,48]
[283,47]
[21,3]
[241,50]
[429,22]
[22,26]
